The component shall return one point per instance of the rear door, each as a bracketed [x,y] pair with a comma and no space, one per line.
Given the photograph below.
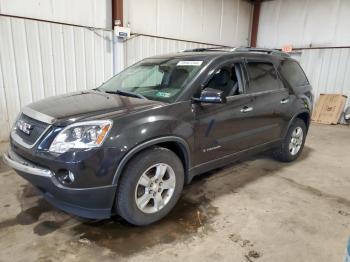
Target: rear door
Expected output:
[270,101]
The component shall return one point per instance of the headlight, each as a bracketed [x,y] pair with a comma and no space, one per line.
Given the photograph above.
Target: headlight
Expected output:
[81,135]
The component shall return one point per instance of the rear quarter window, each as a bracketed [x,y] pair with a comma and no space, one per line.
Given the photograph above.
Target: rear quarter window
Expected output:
[293,73]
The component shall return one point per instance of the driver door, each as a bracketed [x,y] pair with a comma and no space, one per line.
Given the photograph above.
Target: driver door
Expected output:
[224,129]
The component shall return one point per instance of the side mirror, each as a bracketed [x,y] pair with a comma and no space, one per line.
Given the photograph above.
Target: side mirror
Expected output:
[211,95]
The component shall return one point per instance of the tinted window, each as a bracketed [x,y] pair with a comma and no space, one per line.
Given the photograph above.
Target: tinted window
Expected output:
[293,73]
[226,79]
[262,77]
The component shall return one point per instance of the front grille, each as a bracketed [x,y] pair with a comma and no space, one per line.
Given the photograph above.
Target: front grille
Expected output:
[38,128]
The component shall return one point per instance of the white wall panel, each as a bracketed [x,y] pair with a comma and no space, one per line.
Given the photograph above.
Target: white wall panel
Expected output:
[304,23]
[243,24]
[40,59]
[140,47]
[21,60]
[168,18]
[92,13]
[223,22]
[89,59]
[4,121]
[59,63]
[8,67]
[69,58]
[45,44]
[328,70]
[35,66]
[108,54]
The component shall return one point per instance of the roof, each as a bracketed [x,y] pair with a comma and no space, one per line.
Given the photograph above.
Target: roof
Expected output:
[241,50]
[214,52]
[194,54]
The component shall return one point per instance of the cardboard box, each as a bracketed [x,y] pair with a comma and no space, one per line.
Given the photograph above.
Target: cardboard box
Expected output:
[329,108]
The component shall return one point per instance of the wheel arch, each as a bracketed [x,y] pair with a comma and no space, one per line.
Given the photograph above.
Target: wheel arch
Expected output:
[303,115]
[176,144]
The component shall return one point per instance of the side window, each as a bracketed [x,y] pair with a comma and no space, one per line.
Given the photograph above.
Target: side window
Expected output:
[293,73]
[228,80]
[262,77]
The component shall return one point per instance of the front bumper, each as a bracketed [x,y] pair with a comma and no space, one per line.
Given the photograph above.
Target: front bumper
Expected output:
[93,202]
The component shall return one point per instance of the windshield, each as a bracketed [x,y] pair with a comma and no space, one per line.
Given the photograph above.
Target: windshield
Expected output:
[154,79]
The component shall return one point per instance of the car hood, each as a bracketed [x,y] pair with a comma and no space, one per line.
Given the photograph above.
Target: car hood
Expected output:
[65,109]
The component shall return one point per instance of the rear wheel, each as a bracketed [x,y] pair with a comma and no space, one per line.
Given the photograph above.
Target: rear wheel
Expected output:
[150,186]
[293,143]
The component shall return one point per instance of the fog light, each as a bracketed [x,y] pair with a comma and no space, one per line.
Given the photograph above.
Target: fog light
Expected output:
[65,176]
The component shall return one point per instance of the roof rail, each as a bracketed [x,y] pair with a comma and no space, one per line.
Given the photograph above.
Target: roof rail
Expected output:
[261,50]
[239,49]
[203,49]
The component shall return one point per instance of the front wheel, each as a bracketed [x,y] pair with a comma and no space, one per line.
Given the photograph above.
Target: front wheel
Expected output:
[293,143]
[150,186]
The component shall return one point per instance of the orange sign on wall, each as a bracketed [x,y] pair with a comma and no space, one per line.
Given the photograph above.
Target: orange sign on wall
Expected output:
[287,48]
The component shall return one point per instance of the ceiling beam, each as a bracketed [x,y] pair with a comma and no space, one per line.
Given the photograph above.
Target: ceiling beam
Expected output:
[255,23]
[117,12]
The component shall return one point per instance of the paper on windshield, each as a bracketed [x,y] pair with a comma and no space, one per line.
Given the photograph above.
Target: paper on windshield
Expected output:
[189,63]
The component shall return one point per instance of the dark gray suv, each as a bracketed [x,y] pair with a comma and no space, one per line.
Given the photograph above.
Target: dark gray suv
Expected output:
[129,146]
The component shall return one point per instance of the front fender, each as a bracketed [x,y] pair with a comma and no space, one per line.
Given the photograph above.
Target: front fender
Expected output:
[147,144]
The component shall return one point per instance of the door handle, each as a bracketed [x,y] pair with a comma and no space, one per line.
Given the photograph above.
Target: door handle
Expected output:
[246,109]
[284,101]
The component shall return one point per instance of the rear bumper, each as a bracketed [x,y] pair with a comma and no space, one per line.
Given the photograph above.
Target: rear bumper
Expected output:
[94,202]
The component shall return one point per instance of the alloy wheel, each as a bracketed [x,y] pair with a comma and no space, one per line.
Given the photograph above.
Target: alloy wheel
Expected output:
[296,141]
[155,188]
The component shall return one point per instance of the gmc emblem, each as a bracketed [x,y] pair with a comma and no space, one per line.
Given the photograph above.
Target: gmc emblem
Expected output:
[24,127]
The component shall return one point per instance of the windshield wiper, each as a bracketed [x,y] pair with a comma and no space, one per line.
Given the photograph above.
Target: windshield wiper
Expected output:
[126,93]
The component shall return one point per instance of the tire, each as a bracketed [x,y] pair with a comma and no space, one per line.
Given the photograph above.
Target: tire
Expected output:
[138,201]
[287,152]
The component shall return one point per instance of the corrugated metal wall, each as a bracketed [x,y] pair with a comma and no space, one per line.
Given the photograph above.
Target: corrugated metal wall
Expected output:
[304,23]
[222,22]
[39,59]
[140,46]
[92,13]
[312,23]
[328,70]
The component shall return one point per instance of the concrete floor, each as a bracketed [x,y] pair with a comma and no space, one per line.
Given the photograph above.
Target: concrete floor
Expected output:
[257,210]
